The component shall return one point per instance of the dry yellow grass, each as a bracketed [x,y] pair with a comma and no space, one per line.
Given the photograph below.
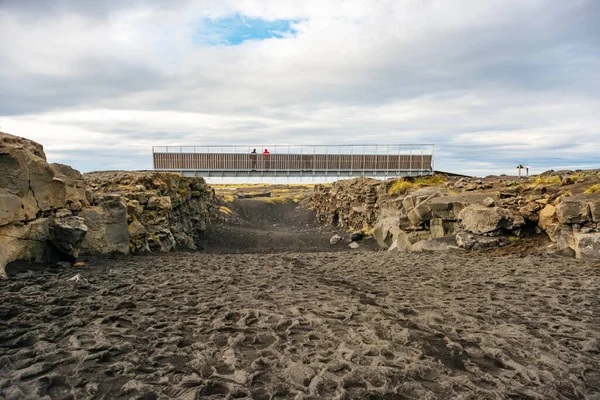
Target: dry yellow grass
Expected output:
[400,187]
[277,200]
[547,180]
[228,198]
[278,191]
[593,189]
[225,210]
[430,180]
[367,230]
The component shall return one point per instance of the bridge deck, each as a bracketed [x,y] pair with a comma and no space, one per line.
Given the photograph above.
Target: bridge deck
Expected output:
[245,164]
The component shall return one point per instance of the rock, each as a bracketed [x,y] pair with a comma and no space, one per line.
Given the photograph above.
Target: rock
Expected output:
[354,245]
[444,243]
[11,208]
[23,242]
[30,191]
[401,242]
[547,217]
[566,181]
[448,207]
[79,280]
[595,209]
[138,237]
[385,230]
[159,201]
[488,202]
[335,239]
[530,211]
[420,214]
[162,203]
[107,227]
[357,236]
[436,227]
[587,245]
[470,241]
[66,234]
[573,210]
[63,264]
[479,219]
[161,240]
[408,203]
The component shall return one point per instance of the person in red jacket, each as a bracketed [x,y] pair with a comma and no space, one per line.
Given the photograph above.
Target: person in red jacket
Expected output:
[267,158]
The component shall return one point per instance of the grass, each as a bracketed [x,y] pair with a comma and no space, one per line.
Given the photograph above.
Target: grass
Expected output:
[228,198]
[277,200]
[278,191]
[367,230]
[400,187]
[593,189]
[547,180]
[430,180]
[225,210]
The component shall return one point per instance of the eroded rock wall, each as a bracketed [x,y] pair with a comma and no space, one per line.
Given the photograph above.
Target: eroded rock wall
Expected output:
[467,213]
[160,211]
[50,212]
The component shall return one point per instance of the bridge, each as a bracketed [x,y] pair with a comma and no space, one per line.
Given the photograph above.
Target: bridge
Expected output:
[341,161]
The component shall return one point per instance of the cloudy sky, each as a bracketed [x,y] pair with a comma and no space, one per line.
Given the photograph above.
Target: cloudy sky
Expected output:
[492,83]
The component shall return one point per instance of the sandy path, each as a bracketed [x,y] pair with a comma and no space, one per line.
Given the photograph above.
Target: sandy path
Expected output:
[323,325]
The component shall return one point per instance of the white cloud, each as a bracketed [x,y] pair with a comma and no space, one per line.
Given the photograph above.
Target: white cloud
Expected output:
[489,82]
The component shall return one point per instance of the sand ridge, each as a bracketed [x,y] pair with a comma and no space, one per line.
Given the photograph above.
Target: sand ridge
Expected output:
[304,326]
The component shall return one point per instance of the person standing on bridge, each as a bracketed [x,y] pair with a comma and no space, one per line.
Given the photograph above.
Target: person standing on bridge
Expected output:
[253,158]
[267,157]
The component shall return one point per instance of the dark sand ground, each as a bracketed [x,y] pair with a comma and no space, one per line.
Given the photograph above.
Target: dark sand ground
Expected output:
[352,325]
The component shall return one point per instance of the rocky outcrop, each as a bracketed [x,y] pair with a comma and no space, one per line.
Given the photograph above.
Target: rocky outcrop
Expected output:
[482,220]
[575,224]
[107,226]
[350,204]
[148,211]
[473,219]
[37,201]
[51,213]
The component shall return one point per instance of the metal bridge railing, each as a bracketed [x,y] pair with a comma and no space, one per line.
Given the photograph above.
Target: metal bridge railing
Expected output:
[319,159]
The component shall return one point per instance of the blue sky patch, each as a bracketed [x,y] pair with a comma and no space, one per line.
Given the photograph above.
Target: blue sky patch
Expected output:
[235,29]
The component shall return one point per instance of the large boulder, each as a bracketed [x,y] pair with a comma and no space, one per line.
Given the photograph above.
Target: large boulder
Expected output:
[449,207]
[66,235]
[530,211]
[440,227]
[587,245]
[573,210]
[107,226]
[157,202]
[386,230]
[31,190]
[420,214]
[547,217]
[481,220]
